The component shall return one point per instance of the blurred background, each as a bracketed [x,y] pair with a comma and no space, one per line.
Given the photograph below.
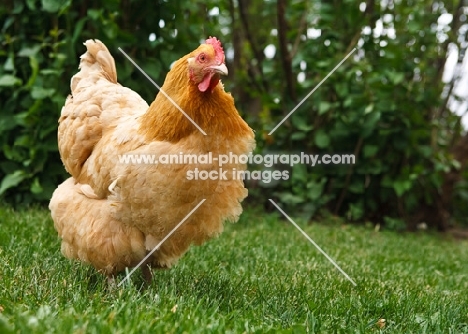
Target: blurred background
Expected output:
[397,103]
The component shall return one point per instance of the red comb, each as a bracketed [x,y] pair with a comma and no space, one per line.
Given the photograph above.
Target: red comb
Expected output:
[218,48]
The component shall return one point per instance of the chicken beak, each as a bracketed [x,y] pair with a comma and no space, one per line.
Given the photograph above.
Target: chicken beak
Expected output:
[220,69]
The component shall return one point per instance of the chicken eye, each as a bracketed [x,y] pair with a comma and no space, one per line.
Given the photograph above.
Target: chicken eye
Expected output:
[202,57]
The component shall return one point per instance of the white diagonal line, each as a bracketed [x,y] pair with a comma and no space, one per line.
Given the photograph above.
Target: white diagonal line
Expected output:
[313,90]
[161,242]
[163,92]
[313,242]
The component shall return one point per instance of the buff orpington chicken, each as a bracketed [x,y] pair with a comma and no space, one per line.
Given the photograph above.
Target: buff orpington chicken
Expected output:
[111,213]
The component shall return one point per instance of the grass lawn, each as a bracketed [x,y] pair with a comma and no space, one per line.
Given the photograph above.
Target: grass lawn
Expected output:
[260,276]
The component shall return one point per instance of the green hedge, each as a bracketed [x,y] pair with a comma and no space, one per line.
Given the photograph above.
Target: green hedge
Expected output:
[386,104]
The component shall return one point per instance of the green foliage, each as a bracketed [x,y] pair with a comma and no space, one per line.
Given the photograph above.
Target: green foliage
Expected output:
[386,104]
[32,95]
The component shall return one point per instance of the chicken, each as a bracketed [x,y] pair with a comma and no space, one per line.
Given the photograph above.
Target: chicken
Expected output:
[111,213]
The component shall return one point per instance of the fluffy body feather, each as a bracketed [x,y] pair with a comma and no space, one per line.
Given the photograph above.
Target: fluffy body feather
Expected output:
[110,213]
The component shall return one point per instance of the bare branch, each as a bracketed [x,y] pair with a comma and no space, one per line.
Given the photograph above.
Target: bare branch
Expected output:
[258,54]
[302,27]
[454,27]
[286,60]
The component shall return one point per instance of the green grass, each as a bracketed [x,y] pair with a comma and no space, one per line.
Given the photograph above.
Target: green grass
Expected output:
[260,276]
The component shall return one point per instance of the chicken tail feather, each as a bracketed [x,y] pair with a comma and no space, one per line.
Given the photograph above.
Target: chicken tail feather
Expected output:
[100,54]
[96,58]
